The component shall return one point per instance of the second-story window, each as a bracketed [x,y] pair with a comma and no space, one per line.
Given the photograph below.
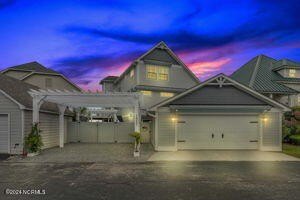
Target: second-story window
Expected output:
[292,73]
[155,72]
[151,72]
[48,82]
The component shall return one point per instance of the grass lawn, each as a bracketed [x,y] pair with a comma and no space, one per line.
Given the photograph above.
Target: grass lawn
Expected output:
[292,150]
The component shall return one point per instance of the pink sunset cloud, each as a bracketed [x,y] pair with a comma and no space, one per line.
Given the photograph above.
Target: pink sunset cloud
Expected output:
[206,68]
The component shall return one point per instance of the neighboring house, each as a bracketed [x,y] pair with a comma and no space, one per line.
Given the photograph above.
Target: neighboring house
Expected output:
[158,75]
[277,79]
[16,116]
[36,74]
[183,113]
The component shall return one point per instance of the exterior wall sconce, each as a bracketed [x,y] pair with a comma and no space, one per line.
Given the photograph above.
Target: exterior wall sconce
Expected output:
[173,119]
[264,119]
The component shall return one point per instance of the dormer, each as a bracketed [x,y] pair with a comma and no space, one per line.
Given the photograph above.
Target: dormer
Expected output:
[287,68]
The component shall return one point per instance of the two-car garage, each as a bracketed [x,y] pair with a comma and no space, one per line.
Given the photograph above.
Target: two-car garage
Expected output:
[218,114]
[217,132]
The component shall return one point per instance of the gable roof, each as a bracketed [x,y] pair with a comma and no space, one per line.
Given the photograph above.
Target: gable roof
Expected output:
[160,52]
[228,81]
[32,67]
[109,79]
[17,91]
[37,68]
[258,74]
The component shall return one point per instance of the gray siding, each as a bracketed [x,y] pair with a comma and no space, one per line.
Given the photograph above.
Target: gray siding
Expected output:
[127,82]
[49,124]
[8,106]
[108,87]
[16,74]
[271,137]
[166,128]
[160,55]
[215,95]
[58,82]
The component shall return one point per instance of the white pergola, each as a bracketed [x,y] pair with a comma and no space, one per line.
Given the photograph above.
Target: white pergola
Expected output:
[74,99]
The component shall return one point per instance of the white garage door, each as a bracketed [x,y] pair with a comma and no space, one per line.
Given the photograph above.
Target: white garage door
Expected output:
[217,132]
[4,134]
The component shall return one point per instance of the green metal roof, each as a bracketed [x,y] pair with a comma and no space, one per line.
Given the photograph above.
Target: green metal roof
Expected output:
[258,74]
[285,63]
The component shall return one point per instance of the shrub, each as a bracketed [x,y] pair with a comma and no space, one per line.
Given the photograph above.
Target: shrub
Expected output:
[137,143]
[288,115]
[293,130]
[33,142]
[295,139]
[286,133]
[136,136]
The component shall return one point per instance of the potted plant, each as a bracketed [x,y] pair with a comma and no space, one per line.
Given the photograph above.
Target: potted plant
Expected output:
[137,143]
[33,141]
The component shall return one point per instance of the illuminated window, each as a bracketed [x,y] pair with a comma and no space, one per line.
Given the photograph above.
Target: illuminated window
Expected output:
[292,73]
[163,73]
[151,72]
[166,94]
[146,92]
[131,73]
[157,72]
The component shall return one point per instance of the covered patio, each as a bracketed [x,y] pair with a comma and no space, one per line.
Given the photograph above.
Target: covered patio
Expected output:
[76,100]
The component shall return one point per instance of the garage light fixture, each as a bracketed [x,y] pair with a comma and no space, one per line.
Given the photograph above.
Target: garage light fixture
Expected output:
[264,119]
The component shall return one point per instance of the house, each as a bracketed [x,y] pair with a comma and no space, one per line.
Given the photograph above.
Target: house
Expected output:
[277,79]
[16,105]
[158,75]
[183,113]
[36,74]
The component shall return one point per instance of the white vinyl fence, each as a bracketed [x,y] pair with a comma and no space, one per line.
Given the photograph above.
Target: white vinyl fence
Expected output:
[102,132]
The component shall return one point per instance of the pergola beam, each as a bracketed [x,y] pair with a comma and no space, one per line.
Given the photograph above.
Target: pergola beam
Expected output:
[84,99]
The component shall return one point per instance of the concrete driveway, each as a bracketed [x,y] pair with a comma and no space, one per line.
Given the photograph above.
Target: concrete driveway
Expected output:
[221,155]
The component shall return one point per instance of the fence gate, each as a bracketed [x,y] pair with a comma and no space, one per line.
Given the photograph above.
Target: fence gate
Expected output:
[104,132]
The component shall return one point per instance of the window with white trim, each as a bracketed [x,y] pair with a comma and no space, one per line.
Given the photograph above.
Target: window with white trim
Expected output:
[146,92]
[155,72]
[292,73]
[166,94]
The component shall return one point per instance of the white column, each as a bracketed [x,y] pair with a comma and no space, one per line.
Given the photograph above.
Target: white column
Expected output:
[36,104]
[62,109]
[137,117]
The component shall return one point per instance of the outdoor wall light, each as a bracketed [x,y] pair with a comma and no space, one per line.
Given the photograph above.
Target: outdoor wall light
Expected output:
[264,119]
[173,119]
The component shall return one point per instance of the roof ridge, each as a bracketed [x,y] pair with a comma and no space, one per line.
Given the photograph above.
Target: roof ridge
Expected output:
[254,73]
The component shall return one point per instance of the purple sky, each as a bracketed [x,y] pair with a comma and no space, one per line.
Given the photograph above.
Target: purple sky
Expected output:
[88,40]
